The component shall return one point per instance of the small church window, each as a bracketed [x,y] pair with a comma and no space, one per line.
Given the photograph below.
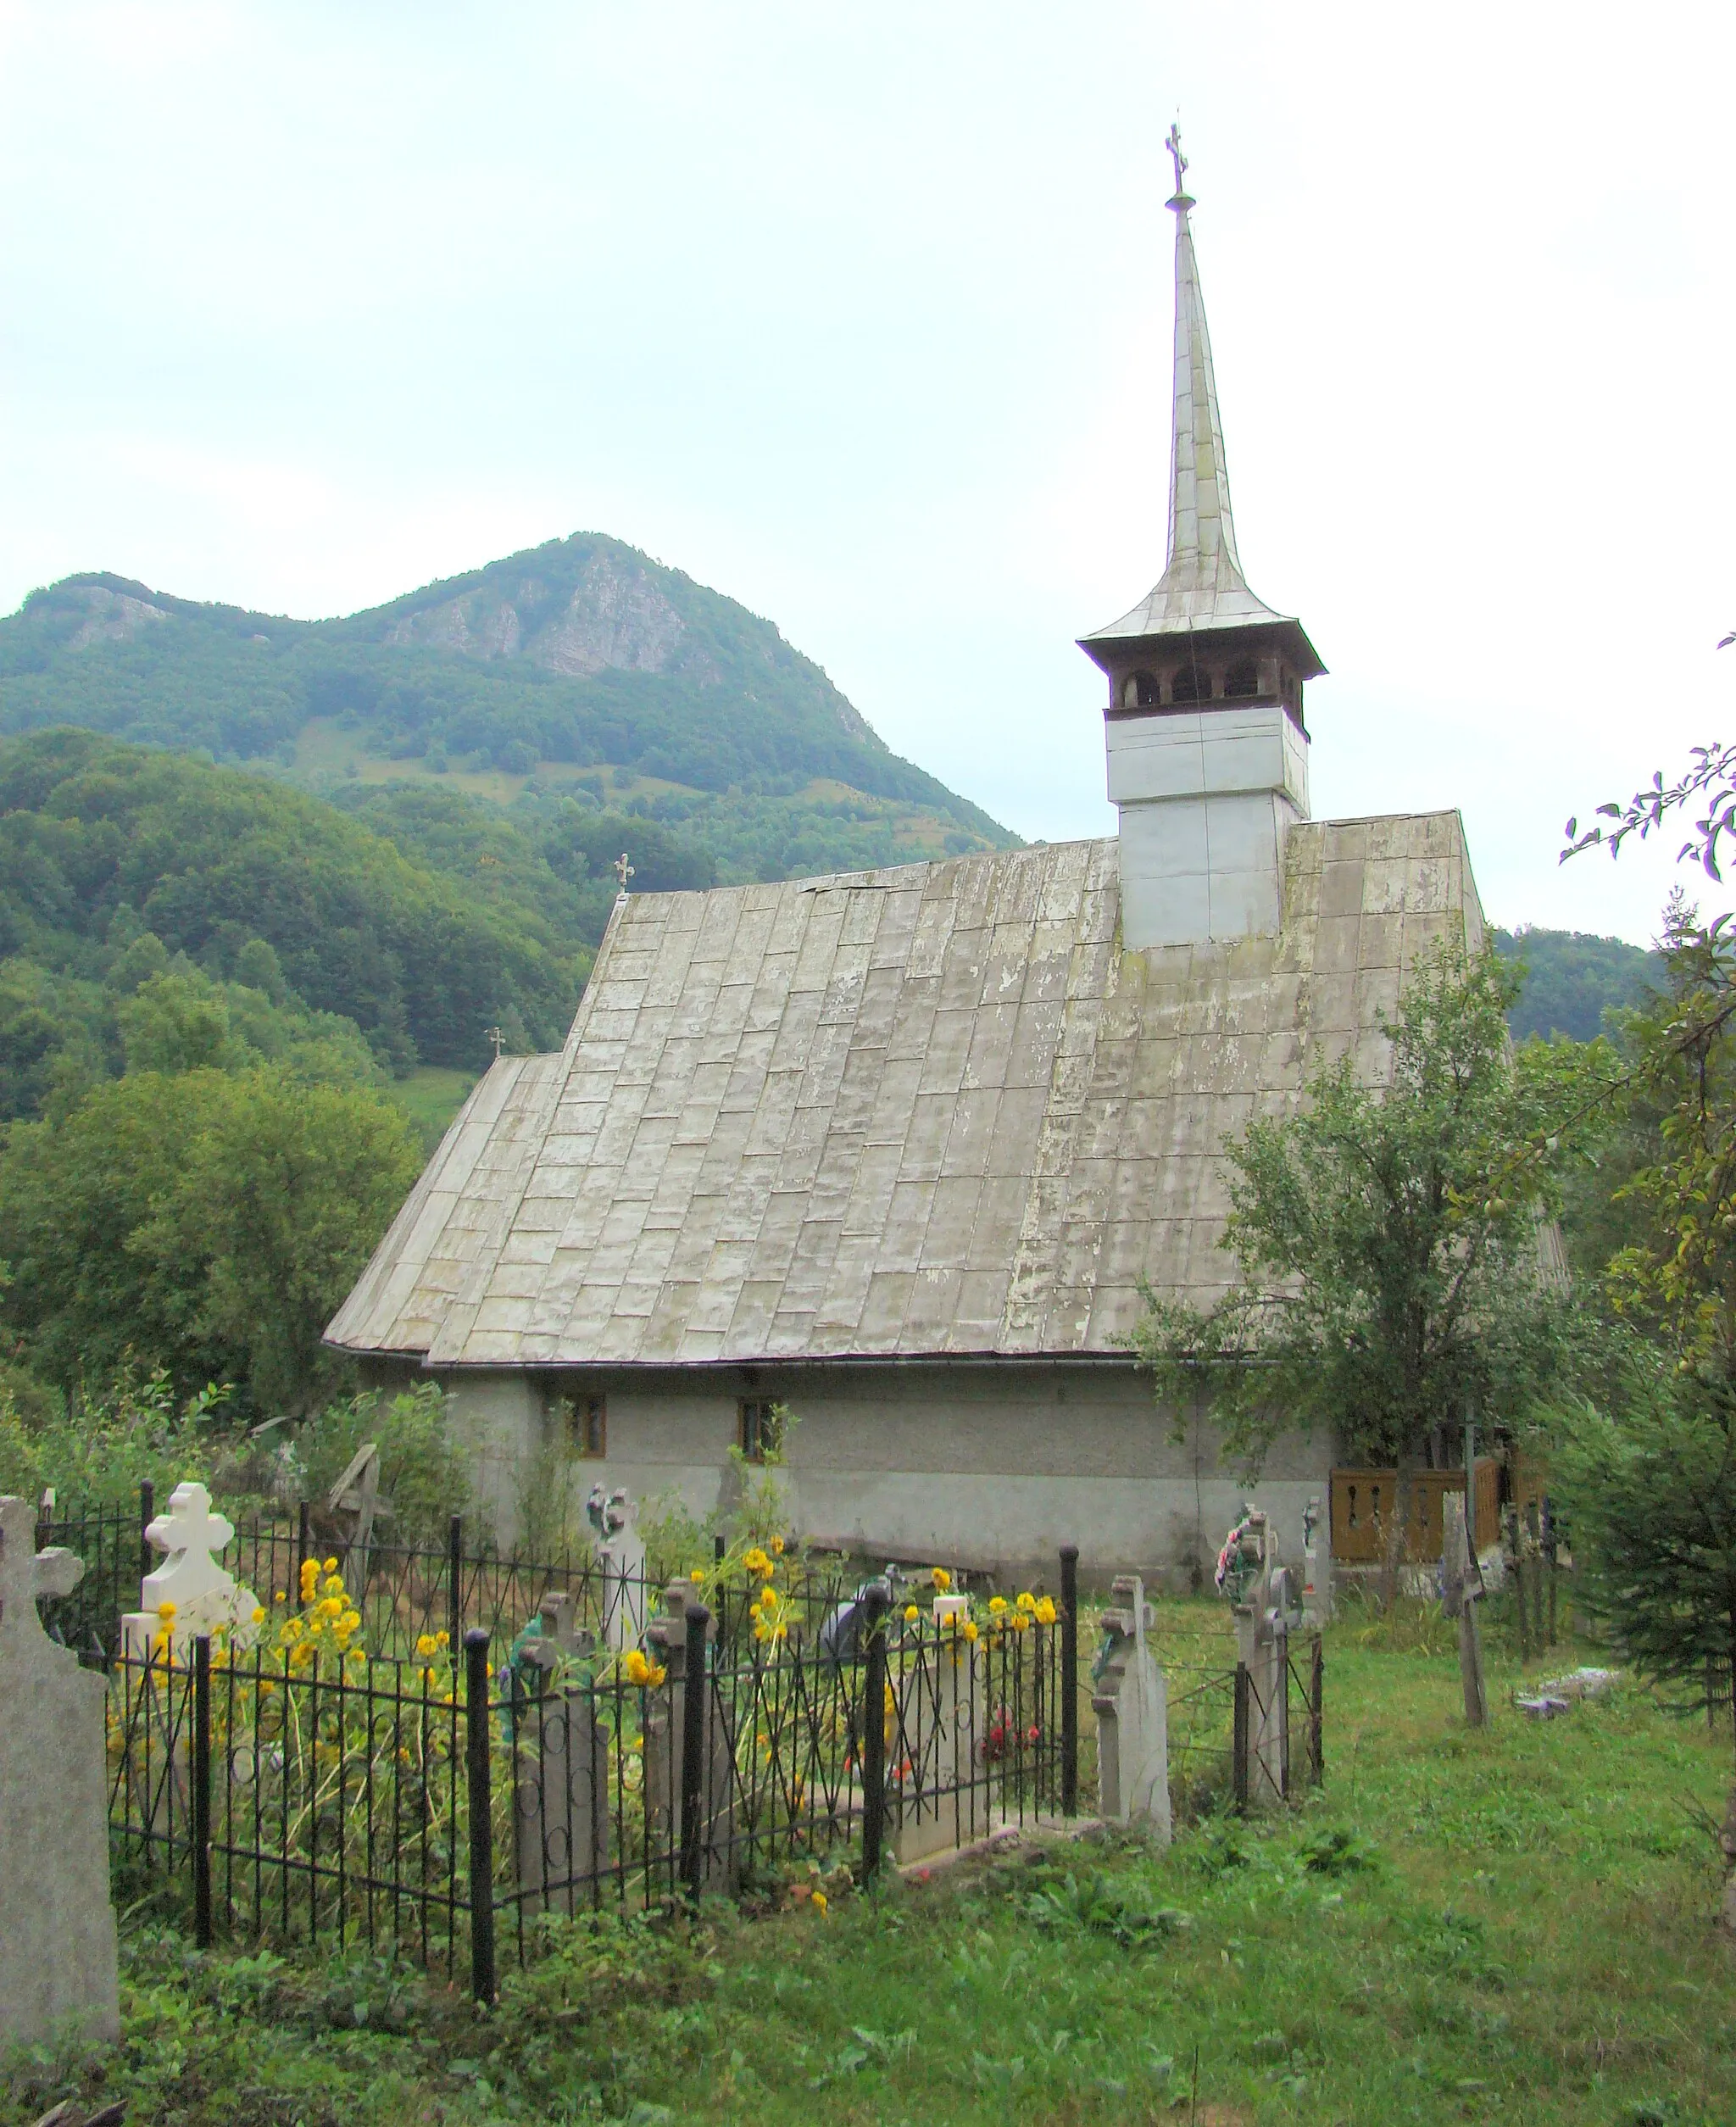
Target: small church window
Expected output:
[762,1432]
[1141,691]
[586,1426]
[1192,685]
[1242,680]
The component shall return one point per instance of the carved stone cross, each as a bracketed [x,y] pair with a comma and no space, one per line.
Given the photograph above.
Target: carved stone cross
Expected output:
[206,1597]
[26,1573]
[623,870]
[189,1532]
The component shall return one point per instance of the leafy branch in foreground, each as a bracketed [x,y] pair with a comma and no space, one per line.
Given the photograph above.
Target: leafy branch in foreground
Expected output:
[1712,778]
[1394,1258]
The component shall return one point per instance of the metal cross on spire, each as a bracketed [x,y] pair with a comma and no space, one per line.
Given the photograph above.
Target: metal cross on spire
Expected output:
[1181,201]
[623,872]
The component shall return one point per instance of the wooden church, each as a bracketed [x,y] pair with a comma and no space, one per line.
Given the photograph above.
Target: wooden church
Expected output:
[898,1149]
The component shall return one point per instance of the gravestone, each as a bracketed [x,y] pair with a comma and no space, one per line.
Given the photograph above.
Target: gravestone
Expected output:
[1266,1610]
[1316,1566]
[560,1795]
[206,1598]
[58,1953]
[621,1560]
[1461,1589]
[936,1782]
[1131,1700]
[666,1644]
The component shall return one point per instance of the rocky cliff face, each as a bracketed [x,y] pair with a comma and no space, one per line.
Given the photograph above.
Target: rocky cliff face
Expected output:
[614,617]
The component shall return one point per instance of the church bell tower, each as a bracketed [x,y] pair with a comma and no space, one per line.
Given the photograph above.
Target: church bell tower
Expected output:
[1208,752]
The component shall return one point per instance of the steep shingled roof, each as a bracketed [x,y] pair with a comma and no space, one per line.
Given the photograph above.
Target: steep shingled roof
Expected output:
[928,1110]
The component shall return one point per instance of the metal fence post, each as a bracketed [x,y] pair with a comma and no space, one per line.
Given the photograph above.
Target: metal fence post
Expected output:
[1316,1713]
[1239,1758]
[147,1514]
[454,1581]
[481,1820]
[874,1690]
[1070,1679]
[201,1791]
[693,1710]
[303,1542]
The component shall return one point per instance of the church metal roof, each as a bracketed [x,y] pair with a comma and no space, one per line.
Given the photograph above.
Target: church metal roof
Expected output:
[929,1112]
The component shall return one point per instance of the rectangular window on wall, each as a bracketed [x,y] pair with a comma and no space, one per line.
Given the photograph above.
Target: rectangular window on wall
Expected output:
[586,1426]
[761,1434]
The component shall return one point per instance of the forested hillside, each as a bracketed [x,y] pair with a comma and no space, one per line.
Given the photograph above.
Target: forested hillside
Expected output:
[1572,979]
[578,674]
[154,907]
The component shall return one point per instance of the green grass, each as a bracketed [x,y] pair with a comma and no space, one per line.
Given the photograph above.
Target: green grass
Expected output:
[1514,1925]
[433,1096]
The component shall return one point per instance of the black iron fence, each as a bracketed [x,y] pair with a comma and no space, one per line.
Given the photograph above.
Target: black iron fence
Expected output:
[440,1804]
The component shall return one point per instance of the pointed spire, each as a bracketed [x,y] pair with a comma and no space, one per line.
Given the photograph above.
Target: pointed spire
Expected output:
[1202,586]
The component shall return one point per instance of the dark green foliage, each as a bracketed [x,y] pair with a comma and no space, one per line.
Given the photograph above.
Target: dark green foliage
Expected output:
[1572,979]
[115,860]
[208,1223]
[582,651]
[1649,1495]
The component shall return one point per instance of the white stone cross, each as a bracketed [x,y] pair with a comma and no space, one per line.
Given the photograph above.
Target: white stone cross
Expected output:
[57,1946]
[623,872]
[206,1598]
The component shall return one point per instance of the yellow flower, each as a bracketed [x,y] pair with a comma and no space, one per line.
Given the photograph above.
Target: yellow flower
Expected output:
[1028,1600]
[258,1613]
[266,1687]
[696,1576]
[911,1613]
[1046,1610]
[819,1902]
[654,1675]
[997,1605]
[756,1561]
[280,1597]
[1020,1621]
[777,1546]
[637,1668]
[442,1639]
[334,1585]
[424,1645]
[970,1629]
[331,1565]
[943,1579]
[165,1611]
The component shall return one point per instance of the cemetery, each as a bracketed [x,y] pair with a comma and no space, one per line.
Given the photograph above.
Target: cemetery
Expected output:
[1056,1481]
[524,1835]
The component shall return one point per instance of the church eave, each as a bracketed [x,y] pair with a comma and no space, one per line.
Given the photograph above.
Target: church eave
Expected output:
[1111,647]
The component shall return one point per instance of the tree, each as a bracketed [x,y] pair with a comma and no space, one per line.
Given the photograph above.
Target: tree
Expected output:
[1649,1492]
[1394,1263]
[208,1222]
[1647,1471]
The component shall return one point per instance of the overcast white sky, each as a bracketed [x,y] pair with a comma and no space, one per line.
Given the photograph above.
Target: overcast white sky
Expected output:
[864,318]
